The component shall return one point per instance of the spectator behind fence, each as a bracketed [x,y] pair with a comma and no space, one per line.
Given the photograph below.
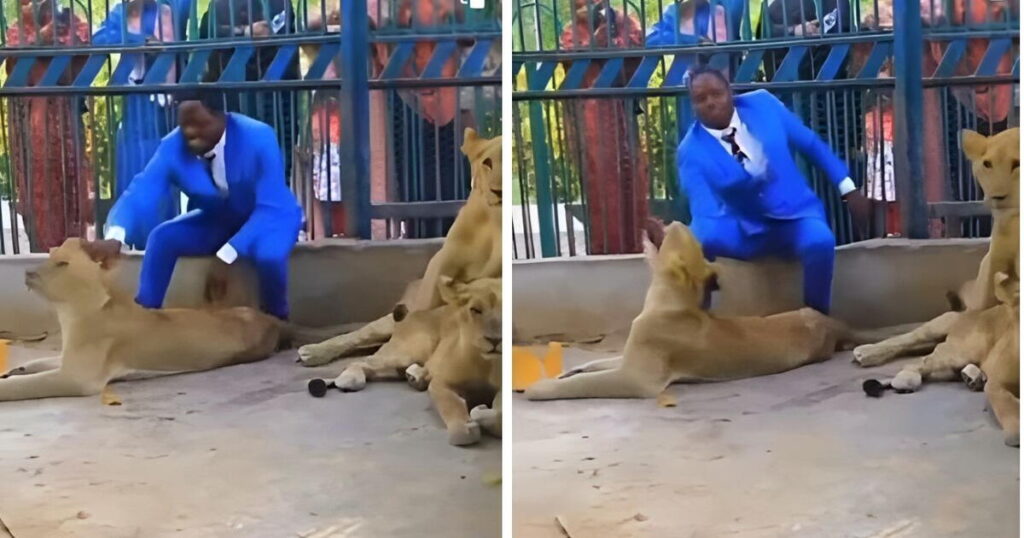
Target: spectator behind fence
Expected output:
[145,119]
[747,196]
[323,143]
[52,175]
[426,124]
[691,23]
[604,132]
[231,168]
[232,19]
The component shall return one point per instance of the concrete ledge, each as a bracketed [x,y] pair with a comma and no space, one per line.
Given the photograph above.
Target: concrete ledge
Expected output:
[877,283]
[330,282]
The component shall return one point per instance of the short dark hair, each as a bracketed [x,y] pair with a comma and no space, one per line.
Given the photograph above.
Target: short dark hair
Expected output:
[212,100]
[700,69]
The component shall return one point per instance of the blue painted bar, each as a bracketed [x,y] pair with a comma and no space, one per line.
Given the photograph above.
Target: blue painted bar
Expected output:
[836,57]
[442,53]
[609,73]
[355,116]
[474,65]
[538,79]
[749,67]
[908,51]
[89,71]
[951,58]
[873,66]
[280,64]
[642,76]
[789,69]
[157,73]
[995,52]
[574,78]
[53,71]
[235,70]
[19,75]
[194,68]
[123,69]
[397,61]
[323,60]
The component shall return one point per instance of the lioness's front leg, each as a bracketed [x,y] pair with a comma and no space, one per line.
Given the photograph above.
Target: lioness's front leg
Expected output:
[375,332]
[920,339]
[592,366]
[34,367]
[377,367]
[452,408]
[489,418]
[48,384]
[1006,407]
[943,364]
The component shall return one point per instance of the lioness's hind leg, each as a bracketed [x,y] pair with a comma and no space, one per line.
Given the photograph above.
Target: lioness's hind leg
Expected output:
[376,332]
[593,366]
[34,367]
[920,339]
[48,384]
[973,377]
[617,383]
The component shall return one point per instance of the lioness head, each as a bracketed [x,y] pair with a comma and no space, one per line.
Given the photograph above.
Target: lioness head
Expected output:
[995,161]
[679,260]
[478,311]
[484,156]
[69,275]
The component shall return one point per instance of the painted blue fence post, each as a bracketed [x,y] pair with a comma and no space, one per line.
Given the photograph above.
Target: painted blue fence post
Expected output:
[355,116]
[908,51]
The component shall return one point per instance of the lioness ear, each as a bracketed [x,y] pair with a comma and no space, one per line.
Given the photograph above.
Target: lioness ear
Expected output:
[1003,287]
[650,251]
[449,290]
[974,144]
[400,312]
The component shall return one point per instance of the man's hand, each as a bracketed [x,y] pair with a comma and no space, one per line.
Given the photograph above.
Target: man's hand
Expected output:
[103,251]
[259,29]
[860,211]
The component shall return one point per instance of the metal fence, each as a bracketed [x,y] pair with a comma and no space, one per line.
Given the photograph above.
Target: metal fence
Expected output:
[369,99]
[600,106]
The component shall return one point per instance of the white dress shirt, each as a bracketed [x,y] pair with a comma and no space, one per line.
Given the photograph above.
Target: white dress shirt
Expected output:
[756,162]
[227,253]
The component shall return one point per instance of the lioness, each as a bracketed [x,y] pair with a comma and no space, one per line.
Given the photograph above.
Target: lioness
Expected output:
[453,351]
[675,339]
[471,250]
[982,348]
[106,335]
[995,162]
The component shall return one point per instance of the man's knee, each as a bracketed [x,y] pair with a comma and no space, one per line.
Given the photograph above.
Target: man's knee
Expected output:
[816,239]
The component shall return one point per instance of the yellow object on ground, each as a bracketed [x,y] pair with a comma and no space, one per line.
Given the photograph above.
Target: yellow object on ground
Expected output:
[3,355]
[528,368]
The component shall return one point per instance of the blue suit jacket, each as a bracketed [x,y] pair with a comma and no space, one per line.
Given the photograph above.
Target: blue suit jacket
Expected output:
[719,187]
[258,200]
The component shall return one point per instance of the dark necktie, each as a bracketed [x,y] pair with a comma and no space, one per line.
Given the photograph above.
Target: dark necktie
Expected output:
[730,137]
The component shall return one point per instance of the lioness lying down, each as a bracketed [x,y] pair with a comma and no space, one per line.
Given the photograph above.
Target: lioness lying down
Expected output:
[674,339]
[983,349]
[471,250]
[106,335]
[452,351]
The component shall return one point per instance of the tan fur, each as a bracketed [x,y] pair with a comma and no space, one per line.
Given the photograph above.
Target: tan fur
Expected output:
[471,250]
[106,335]
[979,334]
[987,339]
[674,339]
[452,351]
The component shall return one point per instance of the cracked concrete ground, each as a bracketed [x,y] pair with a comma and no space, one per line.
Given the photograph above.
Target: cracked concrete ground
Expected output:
[241,451]
[799,454]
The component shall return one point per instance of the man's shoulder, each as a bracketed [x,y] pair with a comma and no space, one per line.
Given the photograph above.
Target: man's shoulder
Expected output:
[251,125]
[757,98]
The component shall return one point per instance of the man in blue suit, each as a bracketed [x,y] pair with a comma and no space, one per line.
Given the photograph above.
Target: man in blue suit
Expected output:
[747,196]
[232,171]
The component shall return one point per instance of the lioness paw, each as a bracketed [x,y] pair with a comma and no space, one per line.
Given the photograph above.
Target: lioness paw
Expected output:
[906,381]
[466,434]
[350,381]
[417,377]
[869,355]
[1012,439]
[973,377]
[14,371]
[315,355]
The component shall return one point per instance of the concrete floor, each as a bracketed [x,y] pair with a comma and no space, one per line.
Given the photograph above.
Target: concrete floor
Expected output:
[241,451]
[800,454]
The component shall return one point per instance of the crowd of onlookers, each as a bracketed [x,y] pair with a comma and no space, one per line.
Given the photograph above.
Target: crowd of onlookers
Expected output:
[614,163]
[49,145]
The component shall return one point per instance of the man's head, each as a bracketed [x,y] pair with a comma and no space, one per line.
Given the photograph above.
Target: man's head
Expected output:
[711,97]
[202,120]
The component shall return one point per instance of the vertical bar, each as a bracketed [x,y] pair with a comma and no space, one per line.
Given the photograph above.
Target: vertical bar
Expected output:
[355,115]
[908,47]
